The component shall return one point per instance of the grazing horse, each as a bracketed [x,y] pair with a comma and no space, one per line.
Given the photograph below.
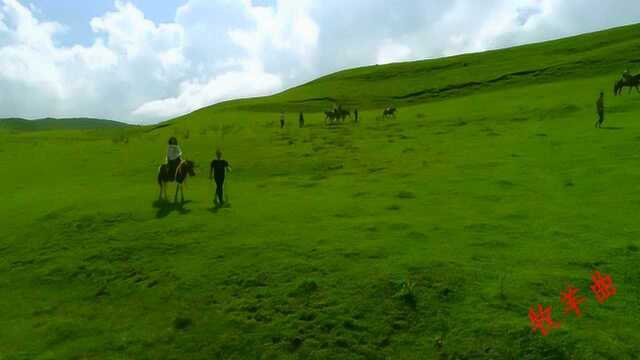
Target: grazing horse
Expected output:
[184,170]
[631,82]
[389,112]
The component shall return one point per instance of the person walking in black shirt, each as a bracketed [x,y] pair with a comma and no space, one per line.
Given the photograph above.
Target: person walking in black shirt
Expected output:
[600,110]
[301,120]
[219,168]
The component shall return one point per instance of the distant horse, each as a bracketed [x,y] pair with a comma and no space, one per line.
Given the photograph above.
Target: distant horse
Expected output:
[331,115]
[631,82]
[184,170]
[389,112]
[343,114]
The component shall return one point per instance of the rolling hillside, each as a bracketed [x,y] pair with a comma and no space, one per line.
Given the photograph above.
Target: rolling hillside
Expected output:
[19,124]
[427,236]
[372,87]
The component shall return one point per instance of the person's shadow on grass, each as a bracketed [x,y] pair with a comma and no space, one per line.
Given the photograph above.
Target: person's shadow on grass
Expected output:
[611,128]
[165,208]
[217,207]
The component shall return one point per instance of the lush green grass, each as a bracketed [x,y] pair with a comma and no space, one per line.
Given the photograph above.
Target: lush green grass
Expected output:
[486,202]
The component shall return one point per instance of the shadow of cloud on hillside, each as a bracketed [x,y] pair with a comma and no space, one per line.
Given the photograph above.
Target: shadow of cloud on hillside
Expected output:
[165,208]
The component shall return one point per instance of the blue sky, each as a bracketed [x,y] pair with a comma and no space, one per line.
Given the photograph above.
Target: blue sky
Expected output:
[76,14]
[144,61]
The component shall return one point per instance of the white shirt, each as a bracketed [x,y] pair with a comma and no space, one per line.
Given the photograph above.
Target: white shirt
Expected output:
[173,152]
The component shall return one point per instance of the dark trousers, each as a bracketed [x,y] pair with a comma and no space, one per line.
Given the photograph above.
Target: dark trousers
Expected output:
[600,118]
[219,191]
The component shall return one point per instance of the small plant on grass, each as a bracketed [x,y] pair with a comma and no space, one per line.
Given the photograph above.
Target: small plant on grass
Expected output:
[306,288]
[182,323]
[407,293]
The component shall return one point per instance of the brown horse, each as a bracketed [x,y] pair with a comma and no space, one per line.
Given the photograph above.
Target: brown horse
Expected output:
[184,170]
[631,82]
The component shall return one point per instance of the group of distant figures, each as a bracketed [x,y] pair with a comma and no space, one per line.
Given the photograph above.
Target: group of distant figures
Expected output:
[339,114]
[300,120]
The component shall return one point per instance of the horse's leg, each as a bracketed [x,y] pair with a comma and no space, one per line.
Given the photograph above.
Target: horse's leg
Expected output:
[181,194]
[175,197]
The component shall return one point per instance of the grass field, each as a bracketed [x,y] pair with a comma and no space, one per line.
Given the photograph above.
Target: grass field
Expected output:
[424,237]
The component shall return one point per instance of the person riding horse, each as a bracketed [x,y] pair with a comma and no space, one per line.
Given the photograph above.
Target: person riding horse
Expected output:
[628,80]
[174,156]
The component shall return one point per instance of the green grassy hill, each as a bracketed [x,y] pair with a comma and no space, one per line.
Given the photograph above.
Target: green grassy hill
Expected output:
[417,82]
[18,124]
[429,236]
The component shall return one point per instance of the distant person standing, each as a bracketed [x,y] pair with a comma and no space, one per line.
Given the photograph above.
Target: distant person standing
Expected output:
[355,115]
[301,120]
[282,120]
[219,167]
[174,156]
[600,110]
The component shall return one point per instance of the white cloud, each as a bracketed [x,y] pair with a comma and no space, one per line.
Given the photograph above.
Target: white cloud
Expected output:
[137,70]
[390,52]
[193,94]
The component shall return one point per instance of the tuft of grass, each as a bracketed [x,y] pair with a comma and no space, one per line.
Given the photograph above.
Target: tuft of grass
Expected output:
[407,292]
[182,323]
[406,195]
[305,288]
[501,285]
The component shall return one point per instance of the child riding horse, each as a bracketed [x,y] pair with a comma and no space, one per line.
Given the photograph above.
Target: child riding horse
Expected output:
[175,169]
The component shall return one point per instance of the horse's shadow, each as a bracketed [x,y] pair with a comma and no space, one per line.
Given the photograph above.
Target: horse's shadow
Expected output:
[164,208]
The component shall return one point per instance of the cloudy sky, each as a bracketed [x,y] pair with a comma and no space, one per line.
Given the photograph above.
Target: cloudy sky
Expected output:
[145,61]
